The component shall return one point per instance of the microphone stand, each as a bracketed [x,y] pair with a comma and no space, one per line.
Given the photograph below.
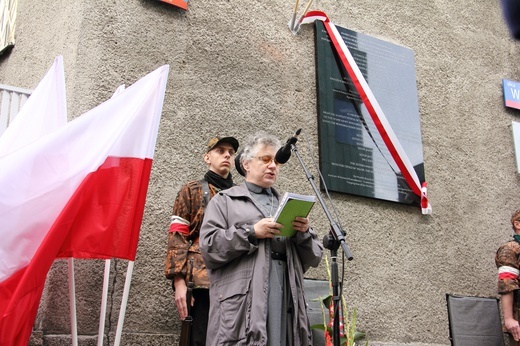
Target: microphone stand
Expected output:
[332,241]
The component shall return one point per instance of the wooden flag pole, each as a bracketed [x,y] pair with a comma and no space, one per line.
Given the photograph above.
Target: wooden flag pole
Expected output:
[304,13]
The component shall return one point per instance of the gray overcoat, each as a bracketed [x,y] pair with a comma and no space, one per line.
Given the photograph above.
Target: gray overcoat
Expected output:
[238,268]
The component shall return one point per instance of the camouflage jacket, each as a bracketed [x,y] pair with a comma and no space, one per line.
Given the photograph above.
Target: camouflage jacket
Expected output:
[183,241]
[507,260]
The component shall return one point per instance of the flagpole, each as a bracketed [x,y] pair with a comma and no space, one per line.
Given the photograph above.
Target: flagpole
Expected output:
[104,297]
[72,300]
[124,301]
[293,19]
[101,331]
[303,15]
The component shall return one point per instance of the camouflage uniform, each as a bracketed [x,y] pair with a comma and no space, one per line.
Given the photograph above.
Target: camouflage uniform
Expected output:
[507,260]
[183,246]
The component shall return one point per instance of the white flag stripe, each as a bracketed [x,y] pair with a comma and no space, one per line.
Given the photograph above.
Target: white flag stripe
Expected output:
[45,111]
[382,118]
[508,269]
[313,18]
[39,179]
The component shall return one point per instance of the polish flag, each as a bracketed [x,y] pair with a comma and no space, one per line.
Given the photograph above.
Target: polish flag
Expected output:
[43,112]
[374,109]
[77,192]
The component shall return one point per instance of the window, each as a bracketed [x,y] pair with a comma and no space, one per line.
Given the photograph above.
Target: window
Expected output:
[7,23]
[12,99]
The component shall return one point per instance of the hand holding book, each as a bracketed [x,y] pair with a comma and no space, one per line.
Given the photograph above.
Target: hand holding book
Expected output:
[292,205]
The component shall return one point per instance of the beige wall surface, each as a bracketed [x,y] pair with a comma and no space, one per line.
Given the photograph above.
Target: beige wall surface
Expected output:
[235,68]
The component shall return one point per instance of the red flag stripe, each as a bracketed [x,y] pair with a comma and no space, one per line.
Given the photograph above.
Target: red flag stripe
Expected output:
[107,210]
[374,110]
[105,214]
[89,180]
[507,276]
[376,113]
[177,227]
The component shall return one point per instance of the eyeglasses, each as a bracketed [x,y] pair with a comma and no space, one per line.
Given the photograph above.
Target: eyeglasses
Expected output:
[267,159]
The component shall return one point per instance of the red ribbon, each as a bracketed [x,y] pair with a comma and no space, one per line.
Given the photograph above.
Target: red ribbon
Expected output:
[392,143]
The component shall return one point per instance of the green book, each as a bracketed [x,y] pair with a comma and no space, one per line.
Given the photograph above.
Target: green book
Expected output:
[292,205]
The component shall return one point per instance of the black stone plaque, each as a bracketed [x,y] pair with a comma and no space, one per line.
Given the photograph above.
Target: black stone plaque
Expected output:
[353,157]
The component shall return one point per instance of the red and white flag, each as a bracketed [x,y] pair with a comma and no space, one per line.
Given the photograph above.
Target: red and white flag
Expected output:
[77,192]
[44,112]
[372,105]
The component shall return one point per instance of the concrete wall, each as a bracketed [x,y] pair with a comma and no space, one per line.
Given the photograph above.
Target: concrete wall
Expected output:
[234,69]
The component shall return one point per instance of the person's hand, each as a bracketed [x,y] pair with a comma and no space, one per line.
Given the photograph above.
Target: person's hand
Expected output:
[180,296]
[267,228]
[301,224]
[513,327]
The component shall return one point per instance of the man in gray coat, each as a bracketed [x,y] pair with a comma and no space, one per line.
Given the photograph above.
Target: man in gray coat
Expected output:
[256,277]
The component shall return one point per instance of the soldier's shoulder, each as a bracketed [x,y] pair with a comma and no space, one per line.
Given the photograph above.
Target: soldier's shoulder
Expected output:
[192,184]
[511,245]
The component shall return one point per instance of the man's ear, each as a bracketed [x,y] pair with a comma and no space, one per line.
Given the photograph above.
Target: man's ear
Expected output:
[206,158]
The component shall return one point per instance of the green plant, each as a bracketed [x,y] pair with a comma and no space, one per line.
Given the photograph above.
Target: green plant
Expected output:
[348,332]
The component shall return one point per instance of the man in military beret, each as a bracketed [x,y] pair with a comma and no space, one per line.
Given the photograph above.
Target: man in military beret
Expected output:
[183,260]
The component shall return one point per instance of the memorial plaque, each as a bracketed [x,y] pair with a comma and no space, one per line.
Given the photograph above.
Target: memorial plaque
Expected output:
[353,157]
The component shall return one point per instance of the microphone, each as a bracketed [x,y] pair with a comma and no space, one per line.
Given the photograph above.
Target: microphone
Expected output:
[284,153]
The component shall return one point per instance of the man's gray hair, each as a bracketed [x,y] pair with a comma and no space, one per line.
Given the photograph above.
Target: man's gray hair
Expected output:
[253,143]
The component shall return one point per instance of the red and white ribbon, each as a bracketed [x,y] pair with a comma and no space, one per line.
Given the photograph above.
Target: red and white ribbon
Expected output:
[376,113]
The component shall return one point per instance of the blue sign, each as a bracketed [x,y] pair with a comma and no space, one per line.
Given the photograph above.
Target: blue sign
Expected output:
[511,93]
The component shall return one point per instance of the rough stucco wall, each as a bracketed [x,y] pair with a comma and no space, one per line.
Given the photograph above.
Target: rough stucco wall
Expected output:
[234,69]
